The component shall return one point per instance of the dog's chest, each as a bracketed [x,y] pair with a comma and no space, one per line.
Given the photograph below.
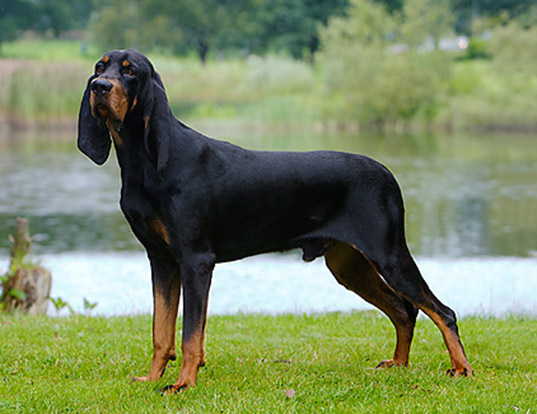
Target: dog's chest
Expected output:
[141,208]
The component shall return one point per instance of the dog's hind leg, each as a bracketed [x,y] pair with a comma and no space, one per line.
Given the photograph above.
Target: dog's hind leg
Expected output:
[402,274]
[354,271]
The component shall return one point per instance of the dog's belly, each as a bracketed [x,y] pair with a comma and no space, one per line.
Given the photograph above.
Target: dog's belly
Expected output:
[275,224]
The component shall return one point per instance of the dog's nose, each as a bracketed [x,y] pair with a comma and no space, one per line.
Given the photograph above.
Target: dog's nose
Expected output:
[101,87]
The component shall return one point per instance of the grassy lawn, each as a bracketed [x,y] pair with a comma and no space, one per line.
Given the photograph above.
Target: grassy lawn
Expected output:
[266,364]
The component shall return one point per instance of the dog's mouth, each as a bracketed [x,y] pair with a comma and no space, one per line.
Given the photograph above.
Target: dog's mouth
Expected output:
[102,110]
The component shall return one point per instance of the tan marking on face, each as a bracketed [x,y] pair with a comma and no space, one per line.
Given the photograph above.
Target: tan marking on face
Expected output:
[118,99]
[125,63]
[106,59]
[134,102]
[92,104]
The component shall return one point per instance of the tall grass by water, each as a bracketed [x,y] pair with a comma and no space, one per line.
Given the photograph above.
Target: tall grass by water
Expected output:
[43,83]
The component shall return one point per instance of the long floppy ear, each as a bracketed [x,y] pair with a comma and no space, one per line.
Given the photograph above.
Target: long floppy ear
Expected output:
[93,136]
[158,120]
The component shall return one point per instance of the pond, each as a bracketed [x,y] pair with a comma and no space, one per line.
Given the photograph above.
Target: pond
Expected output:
[471,205]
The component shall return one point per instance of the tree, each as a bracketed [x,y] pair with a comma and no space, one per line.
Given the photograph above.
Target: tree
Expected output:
[467,10]
[247,26]
[367,24]
[58,16]
[204,25]
[15,17]
[123,24]
[293,25]
[365,82]
[426,19]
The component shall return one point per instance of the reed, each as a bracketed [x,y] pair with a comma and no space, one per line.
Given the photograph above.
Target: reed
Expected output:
[40,86]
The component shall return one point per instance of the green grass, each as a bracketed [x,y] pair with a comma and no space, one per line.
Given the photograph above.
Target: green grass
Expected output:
[48,50]
[84,364]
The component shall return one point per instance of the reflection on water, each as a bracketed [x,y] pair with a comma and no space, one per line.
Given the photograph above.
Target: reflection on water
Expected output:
[466,195]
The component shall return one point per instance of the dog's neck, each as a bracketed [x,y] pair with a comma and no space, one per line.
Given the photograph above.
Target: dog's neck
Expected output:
[129,144]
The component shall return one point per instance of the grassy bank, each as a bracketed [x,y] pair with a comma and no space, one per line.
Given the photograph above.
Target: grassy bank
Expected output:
[43,83]
[264,364]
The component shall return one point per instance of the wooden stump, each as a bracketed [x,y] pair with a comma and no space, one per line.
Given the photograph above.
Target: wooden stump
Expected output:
[26,286]
[35,282]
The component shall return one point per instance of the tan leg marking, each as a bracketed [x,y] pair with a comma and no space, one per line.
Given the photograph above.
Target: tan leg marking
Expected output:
[193,351]
[459,363]
[158,226]
[354,271]
[165,315]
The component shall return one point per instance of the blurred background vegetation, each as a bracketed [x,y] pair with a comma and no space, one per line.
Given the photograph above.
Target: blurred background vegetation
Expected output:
[390,64]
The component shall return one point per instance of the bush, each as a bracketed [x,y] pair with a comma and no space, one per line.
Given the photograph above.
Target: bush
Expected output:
[366,82]
[477,49]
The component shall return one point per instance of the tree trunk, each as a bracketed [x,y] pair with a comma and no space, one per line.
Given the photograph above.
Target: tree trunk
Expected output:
[203,49]
[26,286]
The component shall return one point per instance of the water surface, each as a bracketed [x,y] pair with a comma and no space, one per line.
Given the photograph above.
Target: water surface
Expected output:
[471,220]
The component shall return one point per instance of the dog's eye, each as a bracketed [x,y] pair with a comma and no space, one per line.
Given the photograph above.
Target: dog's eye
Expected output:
[99,69]
[128,71]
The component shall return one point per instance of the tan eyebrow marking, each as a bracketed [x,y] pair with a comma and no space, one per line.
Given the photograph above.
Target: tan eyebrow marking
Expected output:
[106,59]
[126,63]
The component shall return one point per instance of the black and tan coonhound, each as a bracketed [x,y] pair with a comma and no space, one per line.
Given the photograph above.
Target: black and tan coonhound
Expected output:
[193,202]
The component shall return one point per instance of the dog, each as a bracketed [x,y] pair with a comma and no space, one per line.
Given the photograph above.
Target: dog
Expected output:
[193,202]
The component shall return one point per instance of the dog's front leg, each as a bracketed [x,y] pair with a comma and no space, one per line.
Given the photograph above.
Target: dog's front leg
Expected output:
[196,276]
[166,280]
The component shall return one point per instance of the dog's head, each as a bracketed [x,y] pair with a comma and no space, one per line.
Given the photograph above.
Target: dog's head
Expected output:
[124,84]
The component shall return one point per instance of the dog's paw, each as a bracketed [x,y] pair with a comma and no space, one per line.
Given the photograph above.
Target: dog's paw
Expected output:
[172,389]
[139,379]
[388,363]
[460,372]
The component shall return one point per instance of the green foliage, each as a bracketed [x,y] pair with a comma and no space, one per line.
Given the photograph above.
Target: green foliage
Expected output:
[39,94]
[17,294]
[89,306]
[367,83]
[357,78]
[477,49]
[500,93]
[56,365]
[513,46]
[466,11]
[49,50]
[15,16]
[5,279]
[58,16]
[293,26]
[60,304]
[47,17]
[426,19]
[222,26]
[19,260]
[366,24]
